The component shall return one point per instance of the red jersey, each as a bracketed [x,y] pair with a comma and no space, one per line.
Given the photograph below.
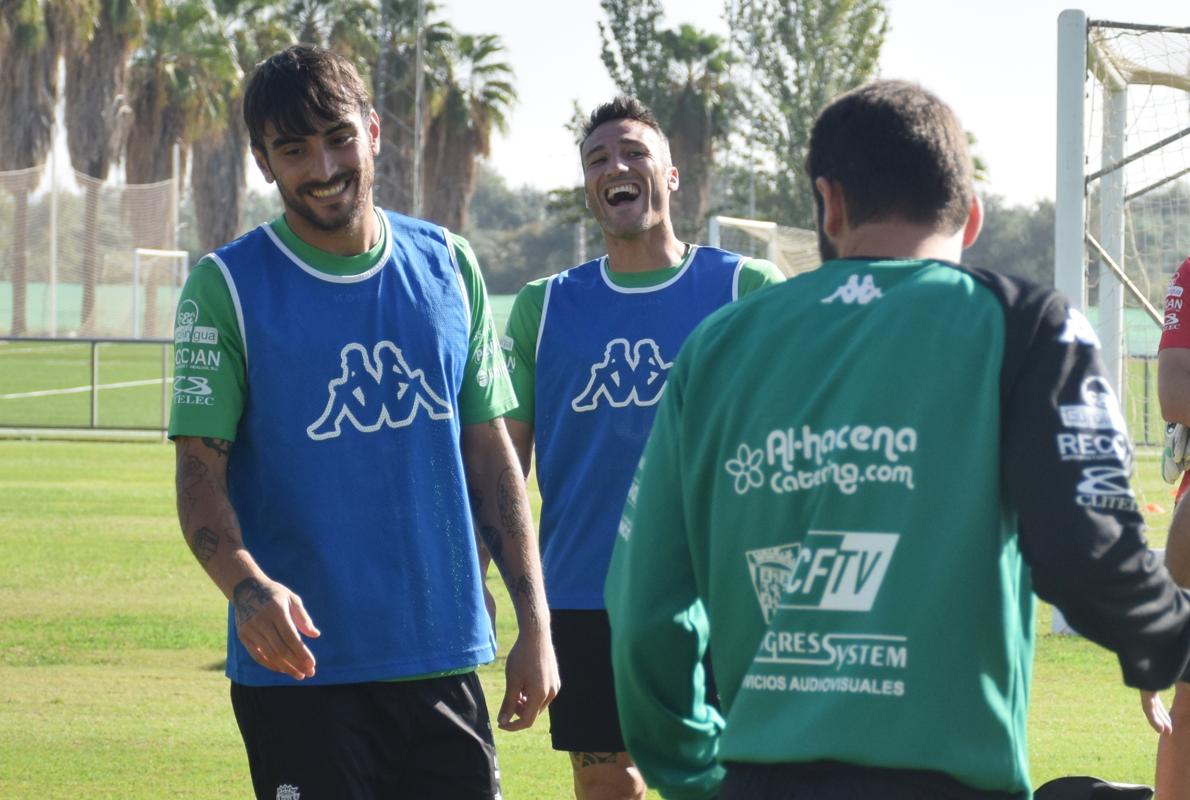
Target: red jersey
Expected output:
[1175,331]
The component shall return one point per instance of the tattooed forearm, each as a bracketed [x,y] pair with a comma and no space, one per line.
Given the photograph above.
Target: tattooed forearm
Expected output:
[203,544]
[523,587]
[230,526]
[514,512]
[220,446]
[248,598]
[494,543]
[192,473]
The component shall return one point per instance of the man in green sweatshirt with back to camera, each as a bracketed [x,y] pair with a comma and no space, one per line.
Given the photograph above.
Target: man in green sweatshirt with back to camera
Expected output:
[855,484]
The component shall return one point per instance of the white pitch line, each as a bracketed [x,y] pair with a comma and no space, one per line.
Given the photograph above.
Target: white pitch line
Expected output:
[79,389]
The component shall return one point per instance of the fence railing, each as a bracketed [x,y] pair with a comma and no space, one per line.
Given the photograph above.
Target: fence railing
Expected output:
[94,384]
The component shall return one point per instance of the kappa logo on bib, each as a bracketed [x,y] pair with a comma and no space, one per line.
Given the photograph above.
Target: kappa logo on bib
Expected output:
[376,390]
[828,571]
[629,374]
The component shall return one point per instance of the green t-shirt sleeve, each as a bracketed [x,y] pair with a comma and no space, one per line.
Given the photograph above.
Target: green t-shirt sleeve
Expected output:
[756,273]
[520,346]
[487,392]
[659,625]
[209,366]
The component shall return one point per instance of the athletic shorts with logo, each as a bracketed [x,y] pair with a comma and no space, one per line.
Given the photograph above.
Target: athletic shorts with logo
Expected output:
[399,740]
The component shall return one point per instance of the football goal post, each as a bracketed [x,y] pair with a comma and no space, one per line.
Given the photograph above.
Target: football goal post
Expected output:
[1122,216]
[793,250]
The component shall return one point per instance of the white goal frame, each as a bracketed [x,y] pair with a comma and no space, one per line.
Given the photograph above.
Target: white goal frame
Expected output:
[1078,55]
[793,250]
[179,258]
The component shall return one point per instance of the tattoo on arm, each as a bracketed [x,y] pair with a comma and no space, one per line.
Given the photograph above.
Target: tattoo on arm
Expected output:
[495,544]
[203,544]
[193,473]
[514,514]
[523,587]
[220,446]
[231,528]
[248,598]
[581,760]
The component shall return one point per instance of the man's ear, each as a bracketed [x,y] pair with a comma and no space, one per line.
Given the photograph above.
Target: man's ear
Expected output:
[974,222]
[671,178]
[373,122]
[262,163]
[834,210]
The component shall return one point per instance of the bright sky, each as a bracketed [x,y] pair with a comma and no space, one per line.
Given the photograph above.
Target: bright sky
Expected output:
[994,62]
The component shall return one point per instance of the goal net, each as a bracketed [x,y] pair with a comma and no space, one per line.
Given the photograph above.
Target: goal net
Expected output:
[1123,204]
[81,257]
[1122,211]
[793,250]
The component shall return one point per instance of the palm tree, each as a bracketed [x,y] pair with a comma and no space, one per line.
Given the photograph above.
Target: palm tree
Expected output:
[97,117]
[33,36]
[474,96]
[345,26]
[682,76]
[177,85]
[394,93]
[697,119]
[255,29]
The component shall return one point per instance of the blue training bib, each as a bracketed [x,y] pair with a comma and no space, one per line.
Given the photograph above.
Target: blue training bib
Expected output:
[602,357]
[346,473]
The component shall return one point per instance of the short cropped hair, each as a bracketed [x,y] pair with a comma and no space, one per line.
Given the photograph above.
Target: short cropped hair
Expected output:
[897,151]
[623,107]
[293,87]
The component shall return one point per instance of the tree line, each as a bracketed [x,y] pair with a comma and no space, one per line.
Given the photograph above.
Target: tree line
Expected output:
[143,75]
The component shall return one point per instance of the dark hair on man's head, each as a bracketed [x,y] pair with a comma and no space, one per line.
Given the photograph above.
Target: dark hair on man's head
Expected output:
[622,107]
[897,151]
[293,88]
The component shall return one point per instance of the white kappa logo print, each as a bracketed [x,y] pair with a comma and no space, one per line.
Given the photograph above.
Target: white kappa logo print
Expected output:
[377,391]
[856,292]
[626,375]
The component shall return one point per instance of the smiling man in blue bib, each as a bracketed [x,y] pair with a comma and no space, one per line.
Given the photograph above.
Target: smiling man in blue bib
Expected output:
[589,350]
[339,440]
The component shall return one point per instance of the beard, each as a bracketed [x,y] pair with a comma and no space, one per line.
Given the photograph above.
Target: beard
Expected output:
[343,219]
[826,249]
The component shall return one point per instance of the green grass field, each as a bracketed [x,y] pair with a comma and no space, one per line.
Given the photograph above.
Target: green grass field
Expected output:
[111,647]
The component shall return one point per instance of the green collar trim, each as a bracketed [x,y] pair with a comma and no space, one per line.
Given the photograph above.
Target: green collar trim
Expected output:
[330,263]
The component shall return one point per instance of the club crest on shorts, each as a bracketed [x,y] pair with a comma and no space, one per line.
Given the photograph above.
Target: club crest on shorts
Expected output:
[287,792]
[629,374]
[376,390]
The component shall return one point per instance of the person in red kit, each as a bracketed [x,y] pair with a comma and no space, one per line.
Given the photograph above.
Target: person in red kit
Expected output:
[1173,391]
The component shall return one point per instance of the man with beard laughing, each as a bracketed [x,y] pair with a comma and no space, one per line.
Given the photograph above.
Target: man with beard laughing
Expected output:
[345,404]
[588,351]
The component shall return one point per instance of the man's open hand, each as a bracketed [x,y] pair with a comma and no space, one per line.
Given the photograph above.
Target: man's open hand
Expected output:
[270,621]
[532,681]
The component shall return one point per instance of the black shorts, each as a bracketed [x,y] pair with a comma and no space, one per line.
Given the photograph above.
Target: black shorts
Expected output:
[403,739]
[583,717]
[831,780]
